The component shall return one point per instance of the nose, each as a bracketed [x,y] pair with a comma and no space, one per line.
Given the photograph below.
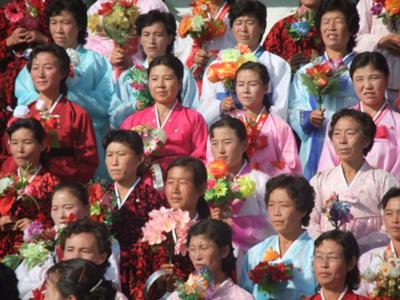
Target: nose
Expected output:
[115,160]
[221,148]
[59,28]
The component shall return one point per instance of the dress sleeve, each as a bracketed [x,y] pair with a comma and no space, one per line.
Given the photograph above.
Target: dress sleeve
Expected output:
[190,93]
[199,138]
[328,158]
[314,228]
[244,280]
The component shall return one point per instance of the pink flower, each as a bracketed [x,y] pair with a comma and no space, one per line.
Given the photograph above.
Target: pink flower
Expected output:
[13,12]
[211,183]
[152,235]
[138,86]
[235,187]
[236,205]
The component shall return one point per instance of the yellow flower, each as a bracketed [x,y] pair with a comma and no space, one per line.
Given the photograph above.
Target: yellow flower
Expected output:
[270,255]
[220,189]
[93,23]
[247,186]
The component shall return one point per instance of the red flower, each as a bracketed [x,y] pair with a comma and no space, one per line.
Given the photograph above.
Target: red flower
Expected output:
[126,3]
[96,192]
[106,8]
[71,218]
[38,294]
[14,12]
[218,168]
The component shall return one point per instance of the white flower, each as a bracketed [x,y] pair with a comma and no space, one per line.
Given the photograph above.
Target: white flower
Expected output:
[21,111]
[41,105]
[5,183]
[73,56]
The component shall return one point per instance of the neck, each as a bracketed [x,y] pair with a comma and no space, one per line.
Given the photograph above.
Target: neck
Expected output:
[253,47]
[350,168]
[125,185]
[49,97]
[372,110]
[164,109]
[235,169]
[219,277]
[252,113]
[28,171]
[396,246]
[335,54]
[332,294]
[286,239]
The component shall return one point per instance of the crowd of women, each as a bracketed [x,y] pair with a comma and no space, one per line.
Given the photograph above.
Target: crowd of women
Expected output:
[74,113]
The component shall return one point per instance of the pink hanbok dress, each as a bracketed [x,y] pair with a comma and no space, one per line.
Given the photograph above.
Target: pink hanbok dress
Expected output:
[364,193]
[385,152]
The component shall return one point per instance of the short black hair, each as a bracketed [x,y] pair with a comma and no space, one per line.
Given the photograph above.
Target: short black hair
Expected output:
[349,10]
[75,188]
[80,278]
[367,125]
[8,283]
[170,61]
[221,234]
[376,59]
[394,192]
[350,251]
[63,61]
[299,190]
[98,230]
[156,16]
[31,124]
[249,8]
[199,179]
[78,10]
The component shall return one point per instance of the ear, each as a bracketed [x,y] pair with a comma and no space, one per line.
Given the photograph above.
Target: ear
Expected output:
[266,86]
[352,264]
[225,250]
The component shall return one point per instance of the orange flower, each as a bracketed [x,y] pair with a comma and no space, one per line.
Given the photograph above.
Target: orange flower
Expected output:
[218,169]
[392,7]
[227,70]
[213,72]
[243,48]
[319,74]
[184,26]
[270,255]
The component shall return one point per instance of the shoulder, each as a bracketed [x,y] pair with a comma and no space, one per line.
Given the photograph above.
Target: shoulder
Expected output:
[269,57]
[260,247]
[259,176]
[278,120]
[192,114]
[325,175]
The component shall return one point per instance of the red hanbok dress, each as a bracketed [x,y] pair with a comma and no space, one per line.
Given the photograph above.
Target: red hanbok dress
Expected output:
[35,204]
[127,223]
[11,62]
[75,158]
[348,296]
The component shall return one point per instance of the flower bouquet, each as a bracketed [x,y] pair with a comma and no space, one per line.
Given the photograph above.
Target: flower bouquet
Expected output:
[153,139]
[337,212]
[39,243]
[201,27]
[270,277]
[50,122]
[391,14]
[224,191]
[23,13]
[229,62]
[169,227]
[137,76]
[199,286]
[102,202]
[386,279]
[304,27]
[322,79]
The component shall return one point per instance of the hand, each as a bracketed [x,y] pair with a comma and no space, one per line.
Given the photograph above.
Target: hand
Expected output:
[18,36]
[227,105]
[201,57]
[390,42]
[216,213]
[168,267]
[5,222]
[119,58]
[317,118]
[298,59]
[36,36]
[22,224]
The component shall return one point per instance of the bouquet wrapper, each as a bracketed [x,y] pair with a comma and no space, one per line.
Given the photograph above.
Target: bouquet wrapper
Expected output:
[153,290]
[158,181]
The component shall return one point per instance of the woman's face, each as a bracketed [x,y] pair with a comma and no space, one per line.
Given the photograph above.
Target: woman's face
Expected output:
[83,245]
[349,140]
[155,40]
[122,162]
[64,30]
[391,218]
[247,31]
[164,85]
[46,72]
[226,146]
[370,86]
[65,204]
[250,89]
[334,30]
[180,189]
[330,265]
[25,149]
[284,216]
[204,252]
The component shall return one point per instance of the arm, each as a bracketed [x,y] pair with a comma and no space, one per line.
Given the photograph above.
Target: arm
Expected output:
[329,158]
[190,93]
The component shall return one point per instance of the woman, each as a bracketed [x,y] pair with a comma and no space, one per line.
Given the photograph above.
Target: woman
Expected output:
[26,192]
[210,246]
[191,54]
[296,52]
[15,39]
[353,181]
[337,21]
[290,200]
[106,46]
[371,260]
[90,83]
[375,35]
[135,199]
[248,21]
[335,266]
[156,31]
[250,224]
[185,186]
[70,202]
[271,146]
[370,73]
[71,144]
[185,128]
